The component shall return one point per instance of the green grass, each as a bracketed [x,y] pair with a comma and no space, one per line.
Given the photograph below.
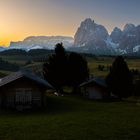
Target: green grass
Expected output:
[4,73]
[134,64]
[93,65]
[18,59]
[37,65]
[73,118]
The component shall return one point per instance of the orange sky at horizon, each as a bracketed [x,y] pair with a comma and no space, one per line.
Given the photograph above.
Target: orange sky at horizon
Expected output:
[5,39]
[22,18]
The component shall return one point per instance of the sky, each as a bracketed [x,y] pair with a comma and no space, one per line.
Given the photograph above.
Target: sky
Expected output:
[22,18]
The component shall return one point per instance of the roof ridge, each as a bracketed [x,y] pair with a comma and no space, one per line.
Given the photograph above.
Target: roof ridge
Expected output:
[19,74]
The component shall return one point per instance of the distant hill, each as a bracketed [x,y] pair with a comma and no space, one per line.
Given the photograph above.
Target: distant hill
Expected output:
[2,48]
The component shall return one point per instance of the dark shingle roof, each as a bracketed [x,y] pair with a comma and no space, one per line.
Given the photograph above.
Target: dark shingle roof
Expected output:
[97,80]
[14,76]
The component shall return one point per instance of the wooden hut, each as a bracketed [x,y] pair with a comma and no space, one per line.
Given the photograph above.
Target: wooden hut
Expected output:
[22,90]
[95,88]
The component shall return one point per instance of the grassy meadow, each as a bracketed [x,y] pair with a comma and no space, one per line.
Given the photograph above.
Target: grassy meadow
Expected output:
[22,62]
[73,118]
[107,61]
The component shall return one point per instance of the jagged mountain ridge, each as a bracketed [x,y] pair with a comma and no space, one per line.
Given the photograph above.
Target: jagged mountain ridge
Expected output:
[95,38]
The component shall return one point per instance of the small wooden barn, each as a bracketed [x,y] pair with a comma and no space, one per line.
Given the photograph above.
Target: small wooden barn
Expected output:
[95,88]
[22,90]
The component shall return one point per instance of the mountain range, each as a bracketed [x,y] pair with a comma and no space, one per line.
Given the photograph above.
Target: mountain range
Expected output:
[41,42]
[90,37]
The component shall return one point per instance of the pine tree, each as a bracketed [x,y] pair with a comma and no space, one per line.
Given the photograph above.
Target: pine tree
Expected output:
[119,79]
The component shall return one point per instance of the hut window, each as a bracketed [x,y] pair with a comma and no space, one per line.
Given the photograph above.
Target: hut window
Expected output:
[23,95]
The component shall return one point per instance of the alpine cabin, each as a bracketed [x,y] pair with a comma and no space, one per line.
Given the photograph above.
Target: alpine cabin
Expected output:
[95,88]
[22,90]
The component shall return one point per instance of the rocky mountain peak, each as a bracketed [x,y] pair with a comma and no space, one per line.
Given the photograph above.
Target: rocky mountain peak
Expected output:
[87,21]
[89,31]
[116,29]
[94,37]
[116,35]
[129,27]
[87,24]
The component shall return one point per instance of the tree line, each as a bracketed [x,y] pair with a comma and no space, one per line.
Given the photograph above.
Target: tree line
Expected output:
[5,65]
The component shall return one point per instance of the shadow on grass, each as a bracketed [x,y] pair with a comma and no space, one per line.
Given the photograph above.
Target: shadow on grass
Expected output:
[54,105]
[59,105]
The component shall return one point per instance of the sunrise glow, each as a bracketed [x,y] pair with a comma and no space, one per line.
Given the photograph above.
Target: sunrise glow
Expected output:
[22,18]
